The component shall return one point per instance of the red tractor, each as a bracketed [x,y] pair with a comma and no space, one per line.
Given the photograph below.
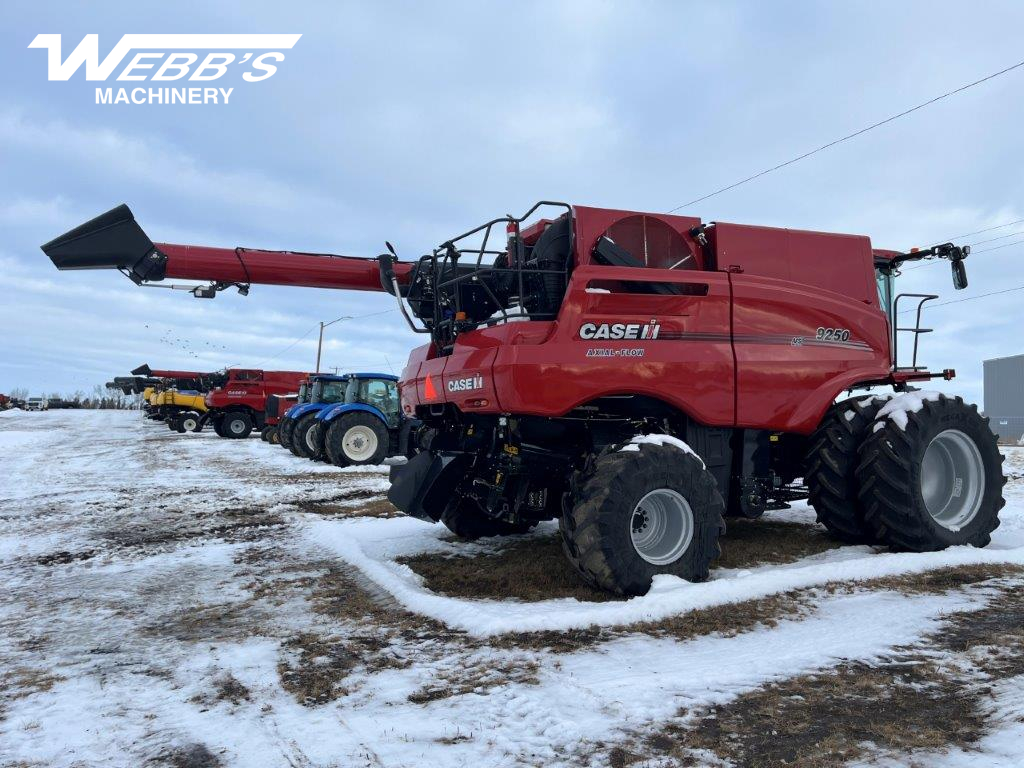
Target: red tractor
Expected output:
[641,376]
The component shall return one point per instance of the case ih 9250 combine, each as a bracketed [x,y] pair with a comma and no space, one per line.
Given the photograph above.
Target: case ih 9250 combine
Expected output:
[665,373]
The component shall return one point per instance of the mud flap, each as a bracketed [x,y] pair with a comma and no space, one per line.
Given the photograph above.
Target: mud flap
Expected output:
[422,486]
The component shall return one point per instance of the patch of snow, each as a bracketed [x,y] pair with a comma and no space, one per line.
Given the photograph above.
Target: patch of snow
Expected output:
[897,408]
[372,545]
[654,439]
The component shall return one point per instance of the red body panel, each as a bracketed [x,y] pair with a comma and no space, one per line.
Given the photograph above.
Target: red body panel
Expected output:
[739,347]
[249,388]
[163,374]
[764,328]
[244,265]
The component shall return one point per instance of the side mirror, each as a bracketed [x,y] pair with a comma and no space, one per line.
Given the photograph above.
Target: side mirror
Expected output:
[959,274]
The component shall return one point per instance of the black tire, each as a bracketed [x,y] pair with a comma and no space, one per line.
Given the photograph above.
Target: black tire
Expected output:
[298,444]
[236,425]
[467,521]
[218,427]
[264,432]
[190,422]
[598,523]
[890,474]
[831,474]
[172,424]
[273,435]
[342,455]
[285,427]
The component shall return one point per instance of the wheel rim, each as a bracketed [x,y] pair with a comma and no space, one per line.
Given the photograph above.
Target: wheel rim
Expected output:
[661,526]
[952,479]
[311,440]
[359,443]
[189,424]
[236,426]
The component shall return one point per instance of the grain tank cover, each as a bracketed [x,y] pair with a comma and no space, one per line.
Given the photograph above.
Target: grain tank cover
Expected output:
[843,264]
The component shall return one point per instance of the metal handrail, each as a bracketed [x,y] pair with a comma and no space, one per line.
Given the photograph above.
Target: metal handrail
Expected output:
[917,330]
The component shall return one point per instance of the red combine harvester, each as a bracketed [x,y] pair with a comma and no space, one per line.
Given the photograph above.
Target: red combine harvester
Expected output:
[640,376]
[240,406]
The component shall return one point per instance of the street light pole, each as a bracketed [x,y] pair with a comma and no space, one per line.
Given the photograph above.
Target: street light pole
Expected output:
[320,343]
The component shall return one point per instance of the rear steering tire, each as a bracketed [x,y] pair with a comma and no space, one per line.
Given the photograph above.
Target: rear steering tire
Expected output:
[638,514]
[937,483]
[357,438]
[831,469]
[467,521]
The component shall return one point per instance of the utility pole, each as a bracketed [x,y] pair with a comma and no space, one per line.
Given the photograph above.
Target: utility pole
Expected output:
[320,343]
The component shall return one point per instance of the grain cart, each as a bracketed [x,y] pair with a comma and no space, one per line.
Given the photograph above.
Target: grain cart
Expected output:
[640,376]
[273,413]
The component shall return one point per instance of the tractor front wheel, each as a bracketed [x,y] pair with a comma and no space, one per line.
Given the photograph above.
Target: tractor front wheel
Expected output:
[641,513]
[302,444]
[935,482]
[357,438]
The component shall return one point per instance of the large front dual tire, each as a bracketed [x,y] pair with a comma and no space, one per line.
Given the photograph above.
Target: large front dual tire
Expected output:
[640,513]
[236,425]
[936,483]
[356,439]
[831,463]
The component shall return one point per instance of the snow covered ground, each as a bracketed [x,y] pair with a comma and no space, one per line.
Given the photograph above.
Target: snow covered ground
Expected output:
[185,600]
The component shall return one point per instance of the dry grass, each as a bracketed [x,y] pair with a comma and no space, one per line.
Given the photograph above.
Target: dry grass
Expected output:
[478,678]
[189,756]
[529,569]
[535,568]
[208,623]
[915,701]
[749,543]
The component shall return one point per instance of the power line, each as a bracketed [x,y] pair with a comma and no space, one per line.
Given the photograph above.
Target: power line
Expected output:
[849,136]
[988,229]
[303,336]
[968,298]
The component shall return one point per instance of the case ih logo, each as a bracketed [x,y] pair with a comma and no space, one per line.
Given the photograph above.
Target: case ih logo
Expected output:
[620,330]
[466,384]
[168,58]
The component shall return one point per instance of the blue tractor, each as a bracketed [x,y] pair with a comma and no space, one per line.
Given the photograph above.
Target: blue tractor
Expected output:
[354,419]
[322,390]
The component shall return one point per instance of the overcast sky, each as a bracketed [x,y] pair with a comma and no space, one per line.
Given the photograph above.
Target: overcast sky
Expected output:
[414,121]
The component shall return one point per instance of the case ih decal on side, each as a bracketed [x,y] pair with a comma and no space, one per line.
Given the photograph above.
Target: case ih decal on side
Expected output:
[466,384]
[620,330]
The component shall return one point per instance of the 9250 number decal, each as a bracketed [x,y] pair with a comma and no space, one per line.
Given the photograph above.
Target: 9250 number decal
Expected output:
[832,334]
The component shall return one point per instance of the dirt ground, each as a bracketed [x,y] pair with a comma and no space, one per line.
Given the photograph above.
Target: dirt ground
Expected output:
[187,601]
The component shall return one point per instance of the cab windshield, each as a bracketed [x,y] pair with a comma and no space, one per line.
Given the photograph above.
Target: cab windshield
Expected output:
[380,393]
[329,391]
[883,279]
[304,392]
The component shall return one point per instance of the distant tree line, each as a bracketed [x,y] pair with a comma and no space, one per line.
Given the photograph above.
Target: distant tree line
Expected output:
[100,398]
